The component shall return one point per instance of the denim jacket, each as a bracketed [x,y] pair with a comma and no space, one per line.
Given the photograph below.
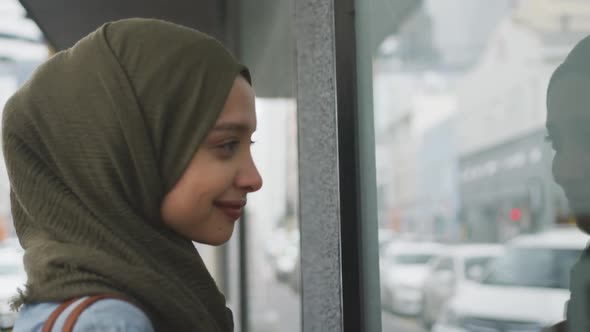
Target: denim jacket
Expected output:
[107,315]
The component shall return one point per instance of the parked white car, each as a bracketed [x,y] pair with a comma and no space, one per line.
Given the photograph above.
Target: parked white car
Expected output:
[386,236]
[12,277]
[282,253]
[451,269]
[525,289]
[404,267]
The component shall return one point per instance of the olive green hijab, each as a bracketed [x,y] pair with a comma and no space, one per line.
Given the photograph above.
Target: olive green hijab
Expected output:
[93,142]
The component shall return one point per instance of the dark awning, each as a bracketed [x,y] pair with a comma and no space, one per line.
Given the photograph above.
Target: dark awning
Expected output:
[260,32]
[66,21]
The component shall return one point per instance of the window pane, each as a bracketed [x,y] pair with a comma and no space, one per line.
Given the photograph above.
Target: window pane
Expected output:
[22,49]
[273,228]
[532,267]
[459,101]
[271,251]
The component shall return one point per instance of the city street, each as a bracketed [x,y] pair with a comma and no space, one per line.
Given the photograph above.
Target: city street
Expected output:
[275,307]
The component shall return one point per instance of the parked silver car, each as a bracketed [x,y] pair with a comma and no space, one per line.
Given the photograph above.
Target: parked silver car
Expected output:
[451,269]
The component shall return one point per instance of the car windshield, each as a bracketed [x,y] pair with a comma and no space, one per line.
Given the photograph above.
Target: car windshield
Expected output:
[411,259]
[533,267]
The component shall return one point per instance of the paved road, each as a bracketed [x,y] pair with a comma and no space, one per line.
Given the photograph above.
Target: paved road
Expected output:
[275,307]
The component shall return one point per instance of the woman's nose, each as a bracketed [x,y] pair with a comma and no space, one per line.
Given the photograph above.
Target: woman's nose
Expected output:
[249,178]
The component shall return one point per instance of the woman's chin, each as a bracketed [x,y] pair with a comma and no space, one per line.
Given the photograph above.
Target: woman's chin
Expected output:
[218,239]
[218,242]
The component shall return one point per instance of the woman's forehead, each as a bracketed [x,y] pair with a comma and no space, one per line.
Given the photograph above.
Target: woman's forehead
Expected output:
[240,105]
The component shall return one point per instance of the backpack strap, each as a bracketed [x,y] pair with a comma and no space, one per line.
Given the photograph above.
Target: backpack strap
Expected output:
[55,314]
[73,316]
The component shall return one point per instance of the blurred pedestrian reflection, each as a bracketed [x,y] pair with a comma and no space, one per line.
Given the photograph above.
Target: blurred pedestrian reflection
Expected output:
[568,120]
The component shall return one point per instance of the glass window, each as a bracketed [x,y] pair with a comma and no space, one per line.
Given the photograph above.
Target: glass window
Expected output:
[444,264]
[412,259]
[271,250]
[21,50]
[460,107]
[274,272]
[11,266]
[473,263]
[533,267]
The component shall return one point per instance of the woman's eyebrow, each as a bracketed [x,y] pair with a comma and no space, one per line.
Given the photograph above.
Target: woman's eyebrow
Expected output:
[230,126]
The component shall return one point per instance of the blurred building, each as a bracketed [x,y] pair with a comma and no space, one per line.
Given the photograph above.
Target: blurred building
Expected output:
[414,74]
[550,16]
[506,183]
[497,63]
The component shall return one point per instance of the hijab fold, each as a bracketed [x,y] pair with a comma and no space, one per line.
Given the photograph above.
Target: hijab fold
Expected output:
[92,143]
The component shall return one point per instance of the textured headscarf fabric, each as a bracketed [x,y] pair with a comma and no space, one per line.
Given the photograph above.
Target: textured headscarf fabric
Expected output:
[93,142]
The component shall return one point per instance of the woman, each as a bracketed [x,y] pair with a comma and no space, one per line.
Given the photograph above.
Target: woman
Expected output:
[121,151]
[568,121]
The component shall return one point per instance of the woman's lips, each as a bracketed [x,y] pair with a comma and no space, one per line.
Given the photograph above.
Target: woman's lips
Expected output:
[232,209]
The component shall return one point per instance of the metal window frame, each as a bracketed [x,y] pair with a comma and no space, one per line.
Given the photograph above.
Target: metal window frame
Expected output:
[339,282]
[339,288]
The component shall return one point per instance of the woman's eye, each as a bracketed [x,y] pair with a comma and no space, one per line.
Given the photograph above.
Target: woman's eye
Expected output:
[230,146]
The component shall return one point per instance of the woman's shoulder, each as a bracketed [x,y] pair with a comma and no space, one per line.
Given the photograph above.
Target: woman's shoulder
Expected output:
[104,315]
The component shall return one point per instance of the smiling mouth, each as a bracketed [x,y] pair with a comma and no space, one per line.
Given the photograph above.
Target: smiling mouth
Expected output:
[232,209]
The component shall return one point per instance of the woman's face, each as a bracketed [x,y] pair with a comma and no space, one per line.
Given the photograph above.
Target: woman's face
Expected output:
[209,197]
[568,125]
